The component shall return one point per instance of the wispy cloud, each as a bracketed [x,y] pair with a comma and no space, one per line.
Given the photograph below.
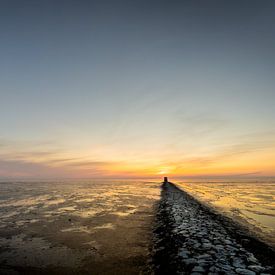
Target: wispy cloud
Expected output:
[200,124]
[22,159]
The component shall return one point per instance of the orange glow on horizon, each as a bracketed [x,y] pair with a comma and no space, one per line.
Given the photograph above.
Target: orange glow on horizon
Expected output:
[77,164]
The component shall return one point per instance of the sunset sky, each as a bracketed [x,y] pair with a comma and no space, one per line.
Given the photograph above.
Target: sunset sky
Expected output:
[137,88]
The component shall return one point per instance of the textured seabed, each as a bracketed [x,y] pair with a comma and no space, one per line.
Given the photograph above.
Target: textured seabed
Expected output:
[101,227]
[105,227]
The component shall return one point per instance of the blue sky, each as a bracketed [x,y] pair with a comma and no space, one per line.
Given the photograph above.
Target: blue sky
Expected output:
[124,88]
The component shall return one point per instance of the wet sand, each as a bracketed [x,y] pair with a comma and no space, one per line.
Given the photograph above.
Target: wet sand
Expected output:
[250,202]
[190,238]
[76,227]
[120,227]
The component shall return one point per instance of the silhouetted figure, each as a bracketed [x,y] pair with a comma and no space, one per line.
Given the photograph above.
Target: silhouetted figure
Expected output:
[165,180]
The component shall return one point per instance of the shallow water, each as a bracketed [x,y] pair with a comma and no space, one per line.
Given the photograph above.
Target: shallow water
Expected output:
[250,202]
[96,227]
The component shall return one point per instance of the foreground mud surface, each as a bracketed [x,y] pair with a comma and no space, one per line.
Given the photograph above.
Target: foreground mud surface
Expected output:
[190,238]
[101,227]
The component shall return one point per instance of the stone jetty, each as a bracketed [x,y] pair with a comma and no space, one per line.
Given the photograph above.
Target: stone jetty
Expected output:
[190,238]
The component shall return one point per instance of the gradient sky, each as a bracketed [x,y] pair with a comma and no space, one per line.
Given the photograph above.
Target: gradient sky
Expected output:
[137,88]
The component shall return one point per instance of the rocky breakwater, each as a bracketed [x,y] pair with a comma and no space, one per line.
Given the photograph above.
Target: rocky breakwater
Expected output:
[190,238]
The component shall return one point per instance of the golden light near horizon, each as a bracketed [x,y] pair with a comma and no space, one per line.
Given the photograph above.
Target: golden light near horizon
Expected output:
[162,172]
[100,101]
[78,164]
[165,170]
[124,124]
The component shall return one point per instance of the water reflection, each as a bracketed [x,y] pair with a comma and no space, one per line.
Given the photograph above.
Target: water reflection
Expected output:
[84,225]
[250,203]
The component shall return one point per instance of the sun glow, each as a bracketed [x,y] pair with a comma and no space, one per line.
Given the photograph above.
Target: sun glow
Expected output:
[162,172]
[77,164]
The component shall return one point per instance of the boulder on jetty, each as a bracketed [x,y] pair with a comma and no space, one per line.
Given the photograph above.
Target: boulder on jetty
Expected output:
[190,238]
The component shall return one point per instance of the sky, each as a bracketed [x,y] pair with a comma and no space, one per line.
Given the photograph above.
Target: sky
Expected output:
[149,88]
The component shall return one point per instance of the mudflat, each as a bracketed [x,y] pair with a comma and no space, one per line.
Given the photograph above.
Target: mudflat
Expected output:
[98,227]
[190,238]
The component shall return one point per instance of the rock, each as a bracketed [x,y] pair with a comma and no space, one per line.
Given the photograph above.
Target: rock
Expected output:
[238,263]
[197,245]
[159,249]
[214,269]
[252,259]
[245,241]
[216,242]
[231,248]
[190,261]
[204,262]
[204,256]
[244,271]
[227,242]
[198,268]
[184,253]
[256,268]
[206,246]
[226,267]
[212,252]
[219,247]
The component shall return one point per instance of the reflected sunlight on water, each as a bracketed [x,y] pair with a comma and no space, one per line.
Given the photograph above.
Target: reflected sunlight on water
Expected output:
[76,225]
[251,203]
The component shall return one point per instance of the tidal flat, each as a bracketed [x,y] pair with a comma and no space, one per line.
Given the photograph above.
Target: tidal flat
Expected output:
[190,238]
[76,227]
[250,202]
[130,227]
